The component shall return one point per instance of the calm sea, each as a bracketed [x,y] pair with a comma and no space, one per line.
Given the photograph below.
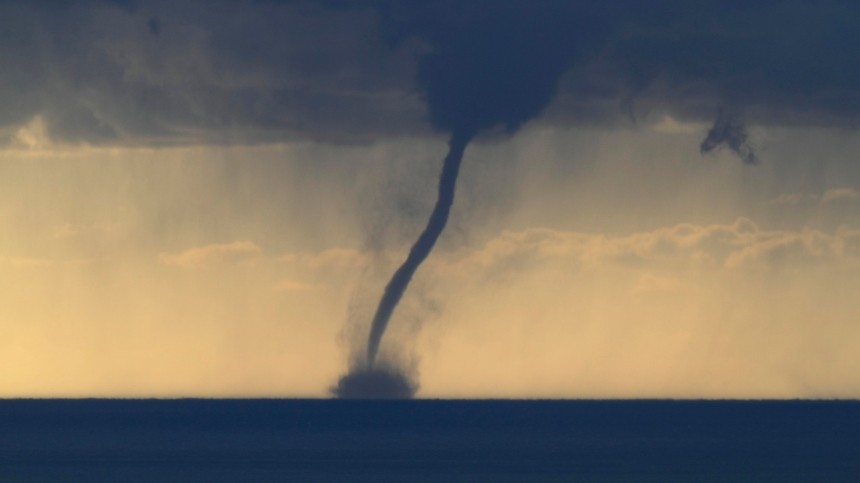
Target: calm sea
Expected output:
[428,440]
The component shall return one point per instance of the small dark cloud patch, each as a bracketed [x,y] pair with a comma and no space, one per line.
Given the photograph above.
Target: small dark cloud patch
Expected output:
[729,131]
[154,25]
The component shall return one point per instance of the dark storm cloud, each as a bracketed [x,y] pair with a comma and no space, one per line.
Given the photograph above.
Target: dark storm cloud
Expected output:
[776,62]
[491,64]
[162,72]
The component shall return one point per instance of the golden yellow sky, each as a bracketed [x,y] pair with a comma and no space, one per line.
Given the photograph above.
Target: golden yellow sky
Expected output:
[578,263]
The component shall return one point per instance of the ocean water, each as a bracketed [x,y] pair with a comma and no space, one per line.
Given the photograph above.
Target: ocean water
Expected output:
[198,440]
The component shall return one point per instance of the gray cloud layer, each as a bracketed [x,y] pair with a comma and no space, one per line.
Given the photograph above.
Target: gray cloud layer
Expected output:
[227,72]
[162,72]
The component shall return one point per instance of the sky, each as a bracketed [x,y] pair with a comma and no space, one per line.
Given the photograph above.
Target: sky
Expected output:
[661,199]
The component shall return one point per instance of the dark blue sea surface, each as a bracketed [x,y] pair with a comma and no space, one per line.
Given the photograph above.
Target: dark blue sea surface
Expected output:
[198,440]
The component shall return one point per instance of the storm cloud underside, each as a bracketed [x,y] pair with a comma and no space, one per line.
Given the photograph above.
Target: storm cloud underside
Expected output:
[100,73]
